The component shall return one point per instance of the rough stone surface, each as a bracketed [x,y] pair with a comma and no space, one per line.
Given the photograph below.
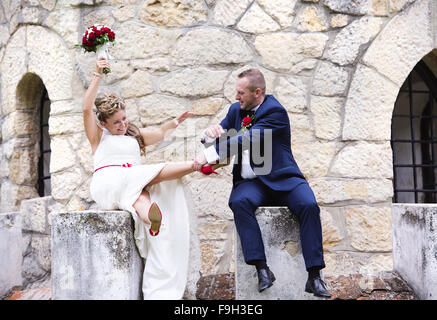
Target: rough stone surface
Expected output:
[280,231]
[345,48]
[227,12]
[360,116]
[364,160]
[284,50]
[210,46]
[381,286]
[94,256]
[173,13]
[327,116]
[138,41]
[256,20]
[330,80]
[10,248]
[370,228]
[407,37]
[414,247]
[282,10]
[312,19]
[216,287]
[353,7]
[332,190]
[200,82]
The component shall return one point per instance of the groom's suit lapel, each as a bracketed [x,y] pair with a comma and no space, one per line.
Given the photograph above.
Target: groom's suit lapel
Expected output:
[258,113]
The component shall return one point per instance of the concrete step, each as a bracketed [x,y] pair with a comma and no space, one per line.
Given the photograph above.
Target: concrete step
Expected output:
[32,294]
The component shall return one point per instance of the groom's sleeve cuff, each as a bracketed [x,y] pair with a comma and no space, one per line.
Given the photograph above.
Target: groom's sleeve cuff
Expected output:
[211,154]
[207,139]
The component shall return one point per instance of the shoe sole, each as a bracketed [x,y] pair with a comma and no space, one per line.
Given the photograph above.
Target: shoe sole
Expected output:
[316,295]
[155,217]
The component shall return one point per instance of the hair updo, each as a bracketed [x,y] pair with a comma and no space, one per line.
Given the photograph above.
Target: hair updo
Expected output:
[107,105]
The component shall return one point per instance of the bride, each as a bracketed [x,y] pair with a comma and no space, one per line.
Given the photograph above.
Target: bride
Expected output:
[153,194]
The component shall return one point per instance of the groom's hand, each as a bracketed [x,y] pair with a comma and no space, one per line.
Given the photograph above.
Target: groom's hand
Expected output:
[214,131]
[199,162]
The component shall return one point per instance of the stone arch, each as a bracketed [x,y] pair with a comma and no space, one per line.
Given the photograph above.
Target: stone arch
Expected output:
[375,84]
[34,58]
[404,41]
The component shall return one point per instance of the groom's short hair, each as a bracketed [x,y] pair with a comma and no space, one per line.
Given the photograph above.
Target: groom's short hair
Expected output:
[256,79]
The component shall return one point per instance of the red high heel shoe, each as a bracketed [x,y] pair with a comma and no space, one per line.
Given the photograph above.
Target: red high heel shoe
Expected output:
[207,170]
[155,217]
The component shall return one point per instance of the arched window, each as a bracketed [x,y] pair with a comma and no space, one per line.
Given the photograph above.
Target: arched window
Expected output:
[413,141]
[44,186]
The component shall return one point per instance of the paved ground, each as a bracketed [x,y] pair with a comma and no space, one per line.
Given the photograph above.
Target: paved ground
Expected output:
[382,286]
[31,294]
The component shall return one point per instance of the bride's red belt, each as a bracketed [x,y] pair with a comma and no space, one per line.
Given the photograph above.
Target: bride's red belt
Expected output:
[124,165]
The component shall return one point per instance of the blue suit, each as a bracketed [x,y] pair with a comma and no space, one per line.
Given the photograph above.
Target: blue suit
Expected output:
[283,185]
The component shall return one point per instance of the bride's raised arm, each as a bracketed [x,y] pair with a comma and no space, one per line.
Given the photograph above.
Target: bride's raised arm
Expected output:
[92,130]
[152,136]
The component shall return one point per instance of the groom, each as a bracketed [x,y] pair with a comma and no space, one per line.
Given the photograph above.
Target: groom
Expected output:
[265,127]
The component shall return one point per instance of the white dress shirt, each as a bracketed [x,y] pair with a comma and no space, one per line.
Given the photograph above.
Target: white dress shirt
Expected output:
[212,156]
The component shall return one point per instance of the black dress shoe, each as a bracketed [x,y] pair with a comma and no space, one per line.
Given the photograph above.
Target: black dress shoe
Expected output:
[317,287]
[265,279]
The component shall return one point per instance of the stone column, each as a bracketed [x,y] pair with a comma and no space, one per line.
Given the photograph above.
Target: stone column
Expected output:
[10,252]
[415,247]
[94,256]
[280,231]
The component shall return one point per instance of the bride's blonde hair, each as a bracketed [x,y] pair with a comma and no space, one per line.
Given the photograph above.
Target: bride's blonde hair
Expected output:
[107,105]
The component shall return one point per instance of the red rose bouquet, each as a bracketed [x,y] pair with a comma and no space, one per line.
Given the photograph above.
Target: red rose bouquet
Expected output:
[98,38]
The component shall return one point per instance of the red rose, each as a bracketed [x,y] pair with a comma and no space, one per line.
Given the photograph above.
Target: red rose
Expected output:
[92,36]
[247,120]
[98,33]
[111,35]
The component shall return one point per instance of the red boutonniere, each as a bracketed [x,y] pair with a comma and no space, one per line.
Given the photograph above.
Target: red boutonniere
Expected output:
[247,122]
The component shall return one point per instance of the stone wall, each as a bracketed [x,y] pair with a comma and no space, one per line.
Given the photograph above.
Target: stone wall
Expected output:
[336,66]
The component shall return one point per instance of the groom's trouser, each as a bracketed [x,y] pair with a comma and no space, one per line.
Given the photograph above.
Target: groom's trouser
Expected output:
[247,196]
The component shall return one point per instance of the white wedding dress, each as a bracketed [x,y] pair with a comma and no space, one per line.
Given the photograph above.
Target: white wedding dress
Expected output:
[166,255]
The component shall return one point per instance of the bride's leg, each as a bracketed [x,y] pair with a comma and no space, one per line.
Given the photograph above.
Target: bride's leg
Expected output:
[173,171]
[142,206]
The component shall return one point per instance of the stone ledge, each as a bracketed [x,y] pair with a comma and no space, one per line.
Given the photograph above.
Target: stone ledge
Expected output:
[415,247]
[10,248]
[280,230]
[94,256]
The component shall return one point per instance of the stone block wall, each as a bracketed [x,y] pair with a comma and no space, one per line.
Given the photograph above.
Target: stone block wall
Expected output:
[36,230]
[336,66]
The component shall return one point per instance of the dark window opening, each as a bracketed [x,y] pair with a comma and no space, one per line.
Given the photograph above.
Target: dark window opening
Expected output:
[44,185]
[413,140]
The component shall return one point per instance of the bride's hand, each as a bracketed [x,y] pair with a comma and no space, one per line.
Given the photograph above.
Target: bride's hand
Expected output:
[183,117]
[199,162]
[101,64]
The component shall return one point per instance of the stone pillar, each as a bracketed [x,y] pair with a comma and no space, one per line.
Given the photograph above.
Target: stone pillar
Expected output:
[36,240]
[94,256]
[415,247]
[10,252]
[280,231]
